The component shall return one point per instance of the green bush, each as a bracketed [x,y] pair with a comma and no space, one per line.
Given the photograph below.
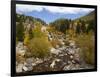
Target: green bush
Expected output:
[26,39]
[37,32]
[39,47]
[87,44]
[20,31]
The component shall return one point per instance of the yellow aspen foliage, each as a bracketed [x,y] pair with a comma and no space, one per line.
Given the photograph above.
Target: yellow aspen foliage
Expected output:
[26,39]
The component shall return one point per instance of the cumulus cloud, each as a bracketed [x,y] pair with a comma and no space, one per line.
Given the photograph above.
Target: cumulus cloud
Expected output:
[27,8]
[22,9]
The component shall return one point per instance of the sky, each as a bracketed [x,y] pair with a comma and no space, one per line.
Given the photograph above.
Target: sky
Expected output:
[51,13]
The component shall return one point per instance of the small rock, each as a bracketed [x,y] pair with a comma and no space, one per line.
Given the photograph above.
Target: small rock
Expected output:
[71,57]
[69,62]
[73,62]
[62,48]
[39,61]
[20,44]
[66,54]
[58,60]
[25,68]
[61,41]
[71,51]
[19,68]
[72,43]
[57,46]
[61,54]
[55,51]
[69,67]
[66,67]
[30,68]
[76,57]
[29,60]
[21,52]
[54,63]
[34,64]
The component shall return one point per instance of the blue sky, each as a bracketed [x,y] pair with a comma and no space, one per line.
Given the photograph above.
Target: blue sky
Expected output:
[51,13]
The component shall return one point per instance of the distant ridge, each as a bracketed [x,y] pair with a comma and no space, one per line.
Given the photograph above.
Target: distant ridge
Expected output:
[90,16]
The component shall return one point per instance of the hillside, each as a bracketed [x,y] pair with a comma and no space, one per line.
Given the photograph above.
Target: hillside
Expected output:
[29,19]
[88,17]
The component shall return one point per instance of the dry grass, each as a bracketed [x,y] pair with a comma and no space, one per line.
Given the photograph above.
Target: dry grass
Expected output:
[19,58]
[39,47]
[87,44]
[54,43]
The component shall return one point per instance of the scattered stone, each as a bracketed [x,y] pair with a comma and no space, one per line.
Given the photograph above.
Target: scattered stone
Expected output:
[67,67]
[54,63]
[55,51]
[62,48]
[19,68]
[25,68]
[21,52]
[34,64]
[30,68]
[61,54]
[69,62]
[61,41]
[29,60]
[57,46]
[71,57]
[72,43]
[38,61]
[64,57]
[73,61]
[71,51]
[21,49]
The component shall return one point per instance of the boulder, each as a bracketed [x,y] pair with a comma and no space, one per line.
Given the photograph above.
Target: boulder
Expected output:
[71,51]
[21,49]
[69,67]
[20,44]
[55,51]
[69,62]
[19,68]
[72,43]
[34,64]
[38,61]
[62,48]
[29,60]
[30,68]
[25,68]
[21,52]
[71,56]
[54,62]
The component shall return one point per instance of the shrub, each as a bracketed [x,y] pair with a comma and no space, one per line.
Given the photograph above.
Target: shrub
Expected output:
[26,39]
[87,44]
[37,32]
[39,47]
[16,40]
[20,31]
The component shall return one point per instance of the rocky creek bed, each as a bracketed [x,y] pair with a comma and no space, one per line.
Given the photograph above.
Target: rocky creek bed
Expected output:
[62,58]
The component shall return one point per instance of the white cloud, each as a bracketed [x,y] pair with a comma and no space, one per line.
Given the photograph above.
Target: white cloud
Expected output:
[67,10]
[27,8]
[22,9]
